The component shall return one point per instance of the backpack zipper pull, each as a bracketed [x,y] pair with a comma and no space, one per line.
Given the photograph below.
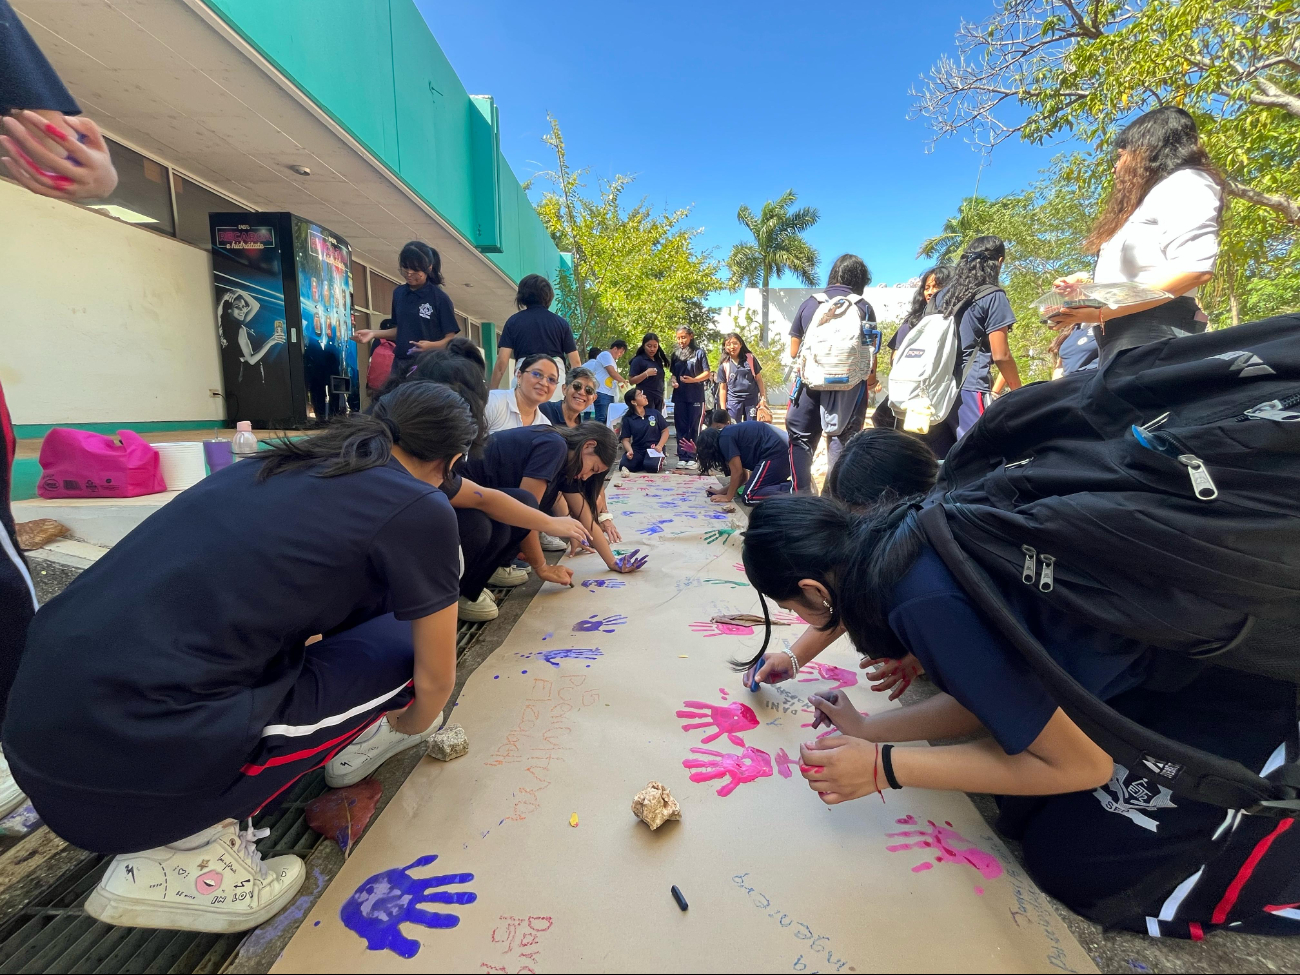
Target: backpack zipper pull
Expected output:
[1158,421]
[1046,581]
[1031,566]
[1202,484]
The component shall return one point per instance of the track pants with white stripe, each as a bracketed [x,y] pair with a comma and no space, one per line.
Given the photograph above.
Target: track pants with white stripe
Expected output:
[770,478]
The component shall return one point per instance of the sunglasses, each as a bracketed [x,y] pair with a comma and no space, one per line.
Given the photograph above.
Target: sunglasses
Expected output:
[549,380]
[583,387]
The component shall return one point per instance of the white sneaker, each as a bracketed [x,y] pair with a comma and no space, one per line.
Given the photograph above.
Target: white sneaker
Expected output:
[552,544]
[507,577]
[477,610]
[218,884]
[11,797]
[688,465]
[375,746]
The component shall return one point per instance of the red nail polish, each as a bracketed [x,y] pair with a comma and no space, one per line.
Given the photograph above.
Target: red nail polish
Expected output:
[54,131]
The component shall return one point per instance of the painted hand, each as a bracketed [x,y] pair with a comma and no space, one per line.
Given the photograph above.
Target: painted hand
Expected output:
[630,562]
[384,902]
[718,535]
[750,764]
[64,158]
[892,675]
[840,768]
[730,720]
[816,671]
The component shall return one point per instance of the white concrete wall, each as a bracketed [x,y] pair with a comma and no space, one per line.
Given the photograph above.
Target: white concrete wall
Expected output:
[101,321]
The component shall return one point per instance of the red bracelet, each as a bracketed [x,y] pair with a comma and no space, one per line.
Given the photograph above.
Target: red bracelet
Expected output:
[875,773]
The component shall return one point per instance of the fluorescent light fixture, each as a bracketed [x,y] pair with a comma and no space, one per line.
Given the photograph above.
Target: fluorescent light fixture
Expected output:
[121,213]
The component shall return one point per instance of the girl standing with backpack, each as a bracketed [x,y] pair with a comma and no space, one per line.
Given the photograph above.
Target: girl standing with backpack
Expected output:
[690,368]
[741,390]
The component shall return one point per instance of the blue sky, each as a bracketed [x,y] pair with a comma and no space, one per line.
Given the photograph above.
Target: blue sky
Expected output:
[712,104]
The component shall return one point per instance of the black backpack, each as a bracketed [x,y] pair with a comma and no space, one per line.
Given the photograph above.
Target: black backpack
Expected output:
[1158,499]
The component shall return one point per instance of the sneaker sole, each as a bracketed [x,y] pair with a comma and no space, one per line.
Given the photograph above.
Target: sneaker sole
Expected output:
[465,616]
[507,585]
[355,775]
[131,913]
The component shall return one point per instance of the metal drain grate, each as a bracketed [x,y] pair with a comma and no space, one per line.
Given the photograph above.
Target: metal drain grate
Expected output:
[51,933]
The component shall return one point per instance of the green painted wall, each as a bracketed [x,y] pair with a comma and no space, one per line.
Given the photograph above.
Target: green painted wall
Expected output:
[375,68]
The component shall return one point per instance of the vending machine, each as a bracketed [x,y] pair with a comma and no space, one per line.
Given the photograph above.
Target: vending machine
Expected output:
[284,319]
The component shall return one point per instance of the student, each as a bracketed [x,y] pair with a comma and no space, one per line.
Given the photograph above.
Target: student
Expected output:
[423,317]
[741,390]
[690,369]
[933,280]
[840,414]
[1075,349]
[643,429]
[550,462]
[1160,227]
[535,380]
[534,330]
[1097,829]
[228,646]
[606,370]
[579,395]
[750,450]
[719,418]
[649,365]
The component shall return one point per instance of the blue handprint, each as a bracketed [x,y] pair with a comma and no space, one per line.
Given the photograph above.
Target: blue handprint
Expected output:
[651,530]
[593,623]
[590,584]
[551,656]
[718,516]
[392,898]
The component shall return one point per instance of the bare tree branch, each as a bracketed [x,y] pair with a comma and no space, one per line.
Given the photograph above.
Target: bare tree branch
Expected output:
[1284,205]
[1273,96]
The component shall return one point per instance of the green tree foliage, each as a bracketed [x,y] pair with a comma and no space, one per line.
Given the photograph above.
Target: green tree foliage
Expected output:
[778,248]
[634,270]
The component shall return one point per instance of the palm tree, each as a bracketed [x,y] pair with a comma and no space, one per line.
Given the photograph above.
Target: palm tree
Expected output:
[976,216]
[778,248]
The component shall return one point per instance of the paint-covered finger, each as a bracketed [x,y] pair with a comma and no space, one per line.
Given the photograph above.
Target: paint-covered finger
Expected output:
[34,148]
[23,176]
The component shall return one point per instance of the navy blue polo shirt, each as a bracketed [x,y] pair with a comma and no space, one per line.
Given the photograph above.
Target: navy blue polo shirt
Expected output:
[741,380]
[651,385]
[184,640]
[991,313]
[1079,351]
[553,410]
[537,331]
[799,327]
[26,78]
[422,314]
[643,431]
[936,621]
[752,441]
[512,455]
[696,364]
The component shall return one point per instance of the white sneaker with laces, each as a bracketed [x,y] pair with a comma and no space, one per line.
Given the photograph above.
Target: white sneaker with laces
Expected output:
[370,750]
[552,544]
[214,881]
[11,797]
[479,610]
[508,576]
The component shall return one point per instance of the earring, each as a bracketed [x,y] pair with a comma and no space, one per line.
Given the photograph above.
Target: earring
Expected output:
[826,604]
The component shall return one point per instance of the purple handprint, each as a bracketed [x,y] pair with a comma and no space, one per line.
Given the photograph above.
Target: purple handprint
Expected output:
[655,529]
[551,656]
[750,764]
[387,900]
[593,623]
[592,584]
[844,678]
[630,562]
[729,719]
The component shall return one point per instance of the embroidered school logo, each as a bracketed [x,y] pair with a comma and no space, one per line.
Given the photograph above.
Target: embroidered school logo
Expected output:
[1245,364]
[1131,797]
[913,353]
[1166,770]
[426,310]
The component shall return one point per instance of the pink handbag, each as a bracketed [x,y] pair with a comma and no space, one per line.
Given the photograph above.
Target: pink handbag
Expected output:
[78,464]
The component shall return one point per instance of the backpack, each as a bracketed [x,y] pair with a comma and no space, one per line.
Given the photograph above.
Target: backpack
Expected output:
[840,344]
[1154,499]
[923,381]
[381,364]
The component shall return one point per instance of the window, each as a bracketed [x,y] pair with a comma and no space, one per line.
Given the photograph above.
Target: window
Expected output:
[193,204]
[142,195]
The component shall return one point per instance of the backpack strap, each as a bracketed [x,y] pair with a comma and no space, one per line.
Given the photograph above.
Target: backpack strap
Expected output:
[749,361]
[820,298]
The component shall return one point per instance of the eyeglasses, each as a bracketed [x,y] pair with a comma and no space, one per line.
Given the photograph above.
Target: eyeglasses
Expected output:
[549,380]
[583,387]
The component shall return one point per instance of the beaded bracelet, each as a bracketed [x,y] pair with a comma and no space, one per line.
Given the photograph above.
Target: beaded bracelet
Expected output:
[794,662]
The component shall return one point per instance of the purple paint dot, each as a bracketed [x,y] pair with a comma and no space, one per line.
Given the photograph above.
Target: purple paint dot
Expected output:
[497,677]
[523,671]
[316,925]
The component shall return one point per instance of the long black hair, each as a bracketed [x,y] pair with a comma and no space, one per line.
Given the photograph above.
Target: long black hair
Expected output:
[606,446]
[850,271]
[693,346]
[660,356]
[942,274]
[742,358]
[980,265]
[419,256]
[532,360]
[461,374]
[429,421]
[879,466]
[858,558]
[708,452]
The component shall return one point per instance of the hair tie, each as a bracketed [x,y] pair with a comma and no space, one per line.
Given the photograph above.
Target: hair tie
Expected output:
[392,429]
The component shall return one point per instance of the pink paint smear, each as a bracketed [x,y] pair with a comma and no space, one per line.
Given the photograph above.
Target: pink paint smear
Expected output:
[784,764]
[945,840]
[730,720]
[750,764]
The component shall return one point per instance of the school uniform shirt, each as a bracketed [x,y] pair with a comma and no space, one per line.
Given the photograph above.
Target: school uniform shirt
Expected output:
[753,442]
[982,317]
[553,410]
[696,364]
[502,412]
[605,384]
[1175,230]
[537,331]
[26,78]
[184,639]
[934,618]
[1079,351]
[421,314]
[512,455]
[651,384]
[643,431]
[741,379]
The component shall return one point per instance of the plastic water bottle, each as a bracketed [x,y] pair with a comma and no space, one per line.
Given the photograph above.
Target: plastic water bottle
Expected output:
[245,442]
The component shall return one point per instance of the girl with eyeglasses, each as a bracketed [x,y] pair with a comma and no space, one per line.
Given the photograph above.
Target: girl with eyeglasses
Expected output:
[535,381]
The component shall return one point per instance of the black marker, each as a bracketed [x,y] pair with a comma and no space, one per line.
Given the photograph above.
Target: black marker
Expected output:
[677,896]
[830,697]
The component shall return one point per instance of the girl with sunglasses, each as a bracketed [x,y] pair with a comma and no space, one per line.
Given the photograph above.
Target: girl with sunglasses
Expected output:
[520,407]
[579,395]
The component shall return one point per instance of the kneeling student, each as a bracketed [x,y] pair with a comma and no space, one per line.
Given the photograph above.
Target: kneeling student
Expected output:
[643,429]
[749,449]
[228,646]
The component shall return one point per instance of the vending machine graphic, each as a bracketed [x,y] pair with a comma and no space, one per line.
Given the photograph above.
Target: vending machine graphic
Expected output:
[283,290]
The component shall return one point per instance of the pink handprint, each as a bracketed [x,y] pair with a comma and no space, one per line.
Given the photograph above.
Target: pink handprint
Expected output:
[845,678]
[784,763]
[729,719]
[721,629]
[945,839]
[750,764]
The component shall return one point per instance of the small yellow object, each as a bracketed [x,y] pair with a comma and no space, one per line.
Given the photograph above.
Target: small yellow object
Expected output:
[573,819]
[682,655]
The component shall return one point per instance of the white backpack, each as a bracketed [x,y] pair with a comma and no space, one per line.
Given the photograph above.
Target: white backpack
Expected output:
[839,347]
[923,382]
